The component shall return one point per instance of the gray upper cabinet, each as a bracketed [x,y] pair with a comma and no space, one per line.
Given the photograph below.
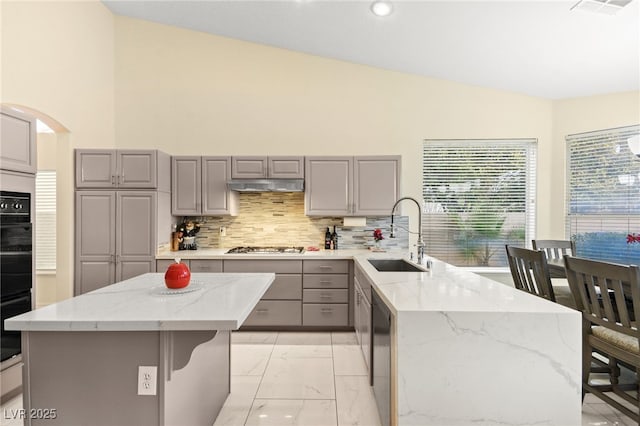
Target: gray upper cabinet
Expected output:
[116,236]
[285,167]
[125,169]
[376,185]
[249,167]
[186,186]
[216,198]
[351,186]
[328,186]
[256,167]
[17,142]
[199,186]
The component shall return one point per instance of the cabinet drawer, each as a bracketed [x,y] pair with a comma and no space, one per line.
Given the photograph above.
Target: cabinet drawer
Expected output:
[325,281]
[326,296]
[276,266]
[203,265]
[275,312]
[285,287]
[325,314]
[326,266]
[163,264]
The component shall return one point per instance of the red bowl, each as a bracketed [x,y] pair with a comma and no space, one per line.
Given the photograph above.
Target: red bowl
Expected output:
[178,275]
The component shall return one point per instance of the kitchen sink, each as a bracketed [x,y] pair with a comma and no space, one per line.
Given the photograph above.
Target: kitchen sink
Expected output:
[394,265]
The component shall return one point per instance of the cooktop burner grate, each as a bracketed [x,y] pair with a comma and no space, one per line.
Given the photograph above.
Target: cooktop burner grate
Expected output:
[266,250]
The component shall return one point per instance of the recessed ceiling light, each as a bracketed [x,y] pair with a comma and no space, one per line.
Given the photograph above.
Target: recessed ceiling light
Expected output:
[381,8]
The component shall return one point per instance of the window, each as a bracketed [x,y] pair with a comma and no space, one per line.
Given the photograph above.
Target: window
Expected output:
[479,195]
[45,220]
[603,203]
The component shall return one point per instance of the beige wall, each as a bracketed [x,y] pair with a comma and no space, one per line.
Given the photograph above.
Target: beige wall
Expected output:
[57,60]
[193,93]
[114,81]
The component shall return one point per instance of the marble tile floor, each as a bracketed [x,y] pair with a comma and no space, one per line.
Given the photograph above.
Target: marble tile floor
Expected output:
[311,379]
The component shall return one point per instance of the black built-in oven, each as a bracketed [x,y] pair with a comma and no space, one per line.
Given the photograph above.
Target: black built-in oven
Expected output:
[16,254]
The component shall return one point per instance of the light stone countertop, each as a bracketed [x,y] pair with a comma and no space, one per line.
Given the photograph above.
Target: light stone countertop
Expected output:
[212,301]
[443,288]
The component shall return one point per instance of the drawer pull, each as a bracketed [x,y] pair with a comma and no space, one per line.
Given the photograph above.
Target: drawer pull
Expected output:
[325,296]
[325,282]
[325,267]
[262,311]
[326,310]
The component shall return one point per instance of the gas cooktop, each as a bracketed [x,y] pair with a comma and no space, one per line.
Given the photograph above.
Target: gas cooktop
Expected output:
[266,250]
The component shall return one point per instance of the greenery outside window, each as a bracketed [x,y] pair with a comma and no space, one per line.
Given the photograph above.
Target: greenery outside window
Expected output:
[603,197]
[479,195]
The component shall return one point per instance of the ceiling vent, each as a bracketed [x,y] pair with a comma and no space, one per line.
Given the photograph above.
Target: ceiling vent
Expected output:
[606,7]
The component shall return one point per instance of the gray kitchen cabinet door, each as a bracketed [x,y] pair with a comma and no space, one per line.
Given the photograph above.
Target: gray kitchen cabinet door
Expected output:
[96,168]
[249,167]
[95,236]
[285,167]
[17,141]
[137,169]
[135,226]
[126,269]
[186,186]
[216,198]
[328,186]
[376,184]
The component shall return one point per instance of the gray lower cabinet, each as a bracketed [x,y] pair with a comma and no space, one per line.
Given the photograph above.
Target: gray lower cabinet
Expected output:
[281,305]
[325,293]
[362,314]
[205,265]
[17,141]
[117,233]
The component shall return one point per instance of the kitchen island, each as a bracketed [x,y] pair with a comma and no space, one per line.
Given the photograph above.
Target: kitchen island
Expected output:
[135,352]
[465,349]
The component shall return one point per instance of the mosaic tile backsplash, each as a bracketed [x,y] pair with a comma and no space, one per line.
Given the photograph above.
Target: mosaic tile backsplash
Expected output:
[278,219]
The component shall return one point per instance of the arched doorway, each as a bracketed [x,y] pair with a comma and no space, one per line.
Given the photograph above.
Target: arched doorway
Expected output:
[53,148]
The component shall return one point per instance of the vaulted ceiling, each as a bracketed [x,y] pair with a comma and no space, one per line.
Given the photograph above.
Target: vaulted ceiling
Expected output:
[539,48]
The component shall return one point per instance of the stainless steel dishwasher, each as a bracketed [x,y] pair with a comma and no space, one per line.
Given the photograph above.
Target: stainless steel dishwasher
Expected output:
[381,362]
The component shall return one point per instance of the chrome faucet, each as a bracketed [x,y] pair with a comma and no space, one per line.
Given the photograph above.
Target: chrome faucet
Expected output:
[420,244]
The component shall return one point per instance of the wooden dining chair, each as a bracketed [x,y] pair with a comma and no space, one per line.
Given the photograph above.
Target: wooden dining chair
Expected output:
[608,325]
[555,249]
[530,271]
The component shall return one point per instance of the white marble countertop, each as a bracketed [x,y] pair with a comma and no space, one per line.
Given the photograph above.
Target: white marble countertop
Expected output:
[447,288]
[444,288]
[212,301]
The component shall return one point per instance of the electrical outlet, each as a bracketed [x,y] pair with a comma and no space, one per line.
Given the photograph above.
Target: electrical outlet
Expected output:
[147,379]
[223,231]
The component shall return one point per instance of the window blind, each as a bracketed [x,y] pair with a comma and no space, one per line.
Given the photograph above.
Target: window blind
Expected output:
[45,220]
[603,197]
[479,195]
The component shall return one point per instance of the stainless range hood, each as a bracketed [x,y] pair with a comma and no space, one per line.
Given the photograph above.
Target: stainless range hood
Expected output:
[266,185]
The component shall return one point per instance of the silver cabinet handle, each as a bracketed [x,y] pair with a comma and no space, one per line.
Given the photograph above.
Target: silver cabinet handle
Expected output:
[262,311]
[113,180]
[325,267]
[112,258]
[325,282]
[325,296]
[326,310]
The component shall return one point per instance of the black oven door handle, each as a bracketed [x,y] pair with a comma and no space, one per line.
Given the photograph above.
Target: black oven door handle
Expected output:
[10,302]
[15,253]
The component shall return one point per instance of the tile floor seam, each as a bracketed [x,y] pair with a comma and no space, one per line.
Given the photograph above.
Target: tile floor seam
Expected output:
[253,401]
[335,389]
